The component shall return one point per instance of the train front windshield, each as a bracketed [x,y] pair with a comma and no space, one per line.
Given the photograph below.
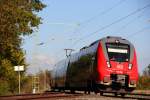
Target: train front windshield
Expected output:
[118,52]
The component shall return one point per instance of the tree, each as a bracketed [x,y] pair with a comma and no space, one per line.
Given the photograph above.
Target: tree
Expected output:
[144,80]
[17,18]
[44,80]
[146,72]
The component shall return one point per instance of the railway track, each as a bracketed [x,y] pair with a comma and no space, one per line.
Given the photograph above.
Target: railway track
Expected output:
[50,95]
[76,96]
[131,95]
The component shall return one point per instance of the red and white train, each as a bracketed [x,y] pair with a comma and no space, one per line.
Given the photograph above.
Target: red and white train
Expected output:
[106,64]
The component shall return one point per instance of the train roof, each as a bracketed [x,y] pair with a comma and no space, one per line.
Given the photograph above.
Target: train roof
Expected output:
[113,39]
[108,39]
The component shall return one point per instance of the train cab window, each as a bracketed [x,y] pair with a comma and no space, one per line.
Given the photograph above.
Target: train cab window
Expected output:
[93,43]
[118,52]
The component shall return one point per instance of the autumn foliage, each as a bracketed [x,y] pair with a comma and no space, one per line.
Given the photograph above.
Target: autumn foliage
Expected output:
[144,79]
[17,18]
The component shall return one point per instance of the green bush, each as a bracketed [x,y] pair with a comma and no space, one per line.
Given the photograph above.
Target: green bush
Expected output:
[4,87]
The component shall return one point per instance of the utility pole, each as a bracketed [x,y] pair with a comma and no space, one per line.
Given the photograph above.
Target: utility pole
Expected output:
[45,80]
[68,55]
[68,52]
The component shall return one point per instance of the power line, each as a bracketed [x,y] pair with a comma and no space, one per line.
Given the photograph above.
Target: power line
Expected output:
[128,23]
[99,14]
[135,33]
[103,12]
[107,26]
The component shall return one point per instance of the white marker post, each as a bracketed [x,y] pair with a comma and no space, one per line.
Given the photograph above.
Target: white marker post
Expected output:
[19,69]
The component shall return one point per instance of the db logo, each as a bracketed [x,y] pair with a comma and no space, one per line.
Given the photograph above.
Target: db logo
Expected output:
[120,66]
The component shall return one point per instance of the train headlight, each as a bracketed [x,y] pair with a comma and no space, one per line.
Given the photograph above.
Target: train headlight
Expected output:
[130,66]
[108,64]
[132,82]
[106,79]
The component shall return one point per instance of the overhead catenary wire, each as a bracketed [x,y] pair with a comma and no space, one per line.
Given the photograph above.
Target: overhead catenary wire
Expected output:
[115,22]
[97,15]
[139,31]
[103,12]
[129,23]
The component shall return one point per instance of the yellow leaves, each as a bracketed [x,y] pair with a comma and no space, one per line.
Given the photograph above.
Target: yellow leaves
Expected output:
[144,82]
[18,16]
[6,69]
[18,57]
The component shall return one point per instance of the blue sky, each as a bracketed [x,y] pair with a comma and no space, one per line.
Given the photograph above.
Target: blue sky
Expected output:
[77,23]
